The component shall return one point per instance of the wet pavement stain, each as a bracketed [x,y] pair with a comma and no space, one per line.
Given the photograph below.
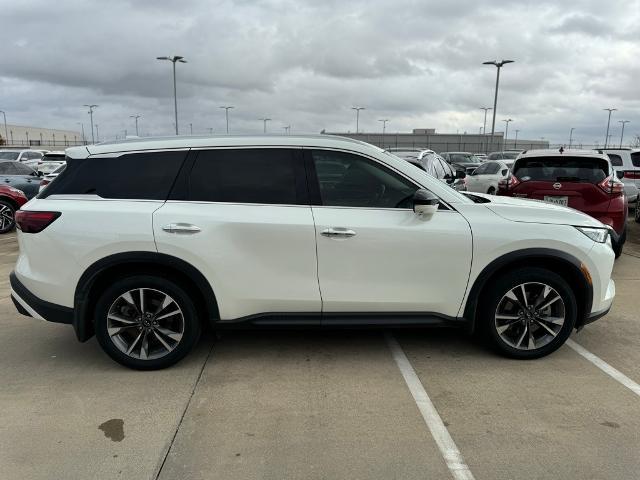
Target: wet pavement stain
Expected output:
[610,424]
[113,429]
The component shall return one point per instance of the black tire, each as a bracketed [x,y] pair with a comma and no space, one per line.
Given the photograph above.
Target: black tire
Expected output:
[491,191]
[7,216]
[191,323]
[498,288]
[617,245]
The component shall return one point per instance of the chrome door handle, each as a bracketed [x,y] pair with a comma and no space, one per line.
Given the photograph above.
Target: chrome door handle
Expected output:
[180,228]
[338,232]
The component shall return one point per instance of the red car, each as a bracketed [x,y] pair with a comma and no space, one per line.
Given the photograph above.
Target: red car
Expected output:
[584,180]
[11,199]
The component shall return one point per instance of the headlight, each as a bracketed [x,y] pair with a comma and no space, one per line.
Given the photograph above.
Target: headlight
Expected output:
[599,235]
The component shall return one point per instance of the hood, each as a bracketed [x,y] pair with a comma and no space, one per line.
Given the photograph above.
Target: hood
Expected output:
[537,211]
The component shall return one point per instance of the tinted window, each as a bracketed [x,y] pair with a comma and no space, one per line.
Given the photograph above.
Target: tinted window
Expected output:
[440,172]
[510,155]
[482,169]
[9,155]
[494,156]
[558,169]
[447,168]
[20,169]
[492,168]
[635,159]
[362,182]
[247,176]
[616,160]
[146,176]
[5,168]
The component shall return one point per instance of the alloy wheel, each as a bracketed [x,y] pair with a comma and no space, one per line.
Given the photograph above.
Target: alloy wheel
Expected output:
[6,217]
[145,323]
[530,316]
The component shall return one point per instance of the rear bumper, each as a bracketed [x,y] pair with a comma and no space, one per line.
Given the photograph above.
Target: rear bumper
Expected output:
[28,304]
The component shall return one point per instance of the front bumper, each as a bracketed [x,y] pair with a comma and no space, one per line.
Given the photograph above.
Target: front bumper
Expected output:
[28,304]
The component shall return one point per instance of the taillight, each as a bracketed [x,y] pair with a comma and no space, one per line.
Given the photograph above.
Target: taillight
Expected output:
[510,182]
[34,222]
[632,174]
[612,185]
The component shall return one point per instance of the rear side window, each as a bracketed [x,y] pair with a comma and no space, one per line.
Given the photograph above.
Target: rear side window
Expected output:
[248,176]
[635,159]
[561,168]
[142,176]
[492,168]
[616,160]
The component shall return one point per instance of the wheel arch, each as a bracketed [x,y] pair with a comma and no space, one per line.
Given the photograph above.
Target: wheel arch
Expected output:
[107,269]
[10,201]
[562,263]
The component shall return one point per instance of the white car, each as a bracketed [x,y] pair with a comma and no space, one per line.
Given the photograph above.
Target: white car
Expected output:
[49,162]
[143,242]
[627,160]
[50,177]
[486,177]
[28,157]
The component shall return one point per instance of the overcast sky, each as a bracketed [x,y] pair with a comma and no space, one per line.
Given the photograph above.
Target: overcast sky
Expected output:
[305,63]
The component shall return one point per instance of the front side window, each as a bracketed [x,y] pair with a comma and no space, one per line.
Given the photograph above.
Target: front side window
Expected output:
[359,182]
[481,170]
[246,176]
[20,169]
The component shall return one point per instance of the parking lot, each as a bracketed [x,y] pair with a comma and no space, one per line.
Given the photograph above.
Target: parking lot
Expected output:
[321,405]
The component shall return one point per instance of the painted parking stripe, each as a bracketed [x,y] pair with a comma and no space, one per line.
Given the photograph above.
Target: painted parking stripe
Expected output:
[605,367]
[452,456]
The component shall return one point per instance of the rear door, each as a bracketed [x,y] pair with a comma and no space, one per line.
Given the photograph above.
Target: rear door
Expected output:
[564,180]
[242,217]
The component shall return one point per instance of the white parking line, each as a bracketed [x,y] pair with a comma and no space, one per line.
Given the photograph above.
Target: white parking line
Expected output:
[452,456]
[605,367]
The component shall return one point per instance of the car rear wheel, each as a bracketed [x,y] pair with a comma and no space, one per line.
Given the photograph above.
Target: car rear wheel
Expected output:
[7,216]
[528,313]
[491,191]
[146,322]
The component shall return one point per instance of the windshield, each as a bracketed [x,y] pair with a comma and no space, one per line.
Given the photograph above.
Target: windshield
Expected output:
[561,168]
[9,155]
[463,158]
[510,155]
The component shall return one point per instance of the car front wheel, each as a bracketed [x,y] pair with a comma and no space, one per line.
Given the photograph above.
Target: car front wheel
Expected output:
[146,322]
[528,313]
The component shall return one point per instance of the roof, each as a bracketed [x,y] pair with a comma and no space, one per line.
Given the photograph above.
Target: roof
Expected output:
[555,152]
[182,142]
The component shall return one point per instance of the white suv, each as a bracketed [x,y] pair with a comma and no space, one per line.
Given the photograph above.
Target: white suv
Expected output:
[143,242]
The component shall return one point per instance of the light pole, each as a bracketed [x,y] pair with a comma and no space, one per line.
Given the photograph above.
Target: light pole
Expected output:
[136,117]
[571,136]
[84,140]
[97,134]
[357,109]
[6,134]
[484,128]
[515,143]
[498,66]
[623,122]
[384,128]
[606,137]
[264,123]
[226,114]
[191,129]
[91,108]
[173,60]
[506,131]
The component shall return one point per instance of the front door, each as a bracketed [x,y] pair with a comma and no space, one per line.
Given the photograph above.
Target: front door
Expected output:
[374,253]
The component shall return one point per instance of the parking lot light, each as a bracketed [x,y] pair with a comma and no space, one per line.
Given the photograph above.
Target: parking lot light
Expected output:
[571,136]
[91,108]
[606,137]
[498,66]
[623,122]
[264,124]
[357,109]
[226,114]
[136,117]
[173,60]
[6,134]
[506,130]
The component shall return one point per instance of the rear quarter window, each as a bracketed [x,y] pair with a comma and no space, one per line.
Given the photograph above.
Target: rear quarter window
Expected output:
[142,176]
[635,159]
[616,160]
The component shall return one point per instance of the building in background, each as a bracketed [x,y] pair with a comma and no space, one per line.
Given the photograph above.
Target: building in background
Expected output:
[21,136]
[444,142]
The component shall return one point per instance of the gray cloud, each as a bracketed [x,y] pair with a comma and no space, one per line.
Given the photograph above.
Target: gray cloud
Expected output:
[305,63]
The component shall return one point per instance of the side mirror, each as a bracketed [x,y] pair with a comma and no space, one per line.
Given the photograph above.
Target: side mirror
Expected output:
[460,174]
[620,174]
[425,203]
